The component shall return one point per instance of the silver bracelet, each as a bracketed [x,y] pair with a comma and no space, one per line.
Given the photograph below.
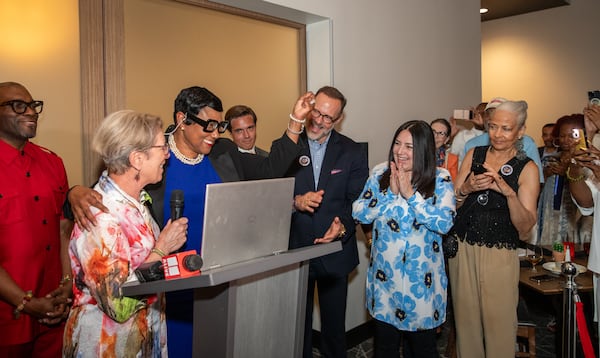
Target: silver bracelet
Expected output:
[296,119]
[294,132]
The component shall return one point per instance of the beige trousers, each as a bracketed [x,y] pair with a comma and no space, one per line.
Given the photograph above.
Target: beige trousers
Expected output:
[485,293]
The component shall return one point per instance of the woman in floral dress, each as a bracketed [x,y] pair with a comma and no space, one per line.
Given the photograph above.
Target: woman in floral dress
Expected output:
[102,321]
[411,205]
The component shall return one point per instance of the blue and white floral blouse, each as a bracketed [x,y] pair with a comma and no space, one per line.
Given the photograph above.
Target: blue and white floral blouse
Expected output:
[406,278]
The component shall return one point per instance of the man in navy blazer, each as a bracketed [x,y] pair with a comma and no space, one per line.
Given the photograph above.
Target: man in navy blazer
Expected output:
[330,174]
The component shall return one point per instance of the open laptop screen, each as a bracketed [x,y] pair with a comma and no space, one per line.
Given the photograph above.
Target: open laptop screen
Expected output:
[245,220]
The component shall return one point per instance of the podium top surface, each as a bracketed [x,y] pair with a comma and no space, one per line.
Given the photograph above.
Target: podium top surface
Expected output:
[219,275]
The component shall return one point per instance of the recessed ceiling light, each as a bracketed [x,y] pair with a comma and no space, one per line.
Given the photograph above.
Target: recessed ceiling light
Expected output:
[483,10]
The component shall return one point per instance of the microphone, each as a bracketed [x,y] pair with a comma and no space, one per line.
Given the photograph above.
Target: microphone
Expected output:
[150,271]
[182,264]
[176,204]
[179,265]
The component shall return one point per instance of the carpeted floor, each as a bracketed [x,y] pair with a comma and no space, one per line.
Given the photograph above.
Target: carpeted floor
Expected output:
[541,311]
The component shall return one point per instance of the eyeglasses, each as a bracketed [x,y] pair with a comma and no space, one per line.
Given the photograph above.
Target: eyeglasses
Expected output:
[439,134]
[209,125]
[20,107]
[164,147]
[327,118]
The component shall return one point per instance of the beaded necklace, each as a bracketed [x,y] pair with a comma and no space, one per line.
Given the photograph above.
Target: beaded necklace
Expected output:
[180,156]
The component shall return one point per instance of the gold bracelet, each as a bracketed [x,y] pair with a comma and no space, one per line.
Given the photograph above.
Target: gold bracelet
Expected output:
[158,251]
[570,178]
[28,296]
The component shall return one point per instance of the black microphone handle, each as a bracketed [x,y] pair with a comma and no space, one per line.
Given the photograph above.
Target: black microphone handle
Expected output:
[176,212]
[177,204]
[150,271]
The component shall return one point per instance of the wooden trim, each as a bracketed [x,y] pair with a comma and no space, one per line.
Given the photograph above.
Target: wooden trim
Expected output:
[114,55]
[92,80]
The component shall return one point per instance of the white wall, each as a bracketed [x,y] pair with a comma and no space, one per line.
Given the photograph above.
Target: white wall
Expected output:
[549,58]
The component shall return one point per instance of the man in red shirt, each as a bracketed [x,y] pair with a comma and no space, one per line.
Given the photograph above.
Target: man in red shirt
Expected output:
[35,280]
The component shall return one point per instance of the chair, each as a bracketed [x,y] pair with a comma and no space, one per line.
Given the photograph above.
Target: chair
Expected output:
[525,332]
[525,340]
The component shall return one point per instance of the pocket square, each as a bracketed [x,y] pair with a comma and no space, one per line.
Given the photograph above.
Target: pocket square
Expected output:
[335,171]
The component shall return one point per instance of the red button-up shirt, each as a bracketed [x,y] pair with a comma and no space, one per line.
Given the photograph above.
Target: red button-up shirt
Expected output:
[33,186]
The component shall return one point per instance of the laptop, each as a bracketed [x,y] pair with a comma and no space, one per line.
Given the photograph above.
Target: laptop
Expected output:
[246,220]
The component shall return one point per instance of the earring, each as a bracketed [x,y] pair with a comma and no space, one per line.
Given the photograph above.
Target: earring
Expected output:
[555,143]
[182,128]
[137,175]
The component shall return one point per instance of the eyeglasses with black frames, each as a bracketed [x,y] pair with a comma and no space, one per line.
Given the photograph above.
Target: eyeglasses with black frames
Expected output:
[439,134]
[327,118]
[209,125]
[20,106]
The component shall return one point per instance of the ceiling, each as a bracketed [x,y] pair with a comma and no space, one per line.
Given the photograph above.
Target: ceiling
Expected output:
[505,8]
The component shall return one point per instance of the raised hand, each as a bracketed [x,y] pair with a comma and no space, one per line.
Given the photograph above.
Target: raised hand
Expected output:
[303,105]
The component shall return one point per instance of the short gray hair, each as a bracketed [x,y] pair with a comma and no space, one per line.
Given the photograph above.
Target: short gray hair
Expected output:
[123,132]
[517,107]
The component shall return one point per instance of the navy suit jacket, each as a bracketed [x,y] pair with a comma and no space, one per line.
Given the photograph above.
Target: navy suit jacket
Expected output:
[343,174]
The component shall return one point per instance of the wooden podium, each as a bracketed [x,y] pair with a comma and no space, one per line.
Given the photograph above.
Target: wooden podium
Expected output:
[254,308]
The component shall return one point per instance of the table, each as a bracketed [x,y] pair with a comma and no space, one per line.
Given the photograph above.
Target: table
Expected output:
[584,280]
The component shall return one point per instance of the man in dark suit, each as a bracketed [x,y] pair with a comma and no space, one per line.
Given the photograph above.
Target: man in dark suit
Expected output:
[330,174]
[242,126]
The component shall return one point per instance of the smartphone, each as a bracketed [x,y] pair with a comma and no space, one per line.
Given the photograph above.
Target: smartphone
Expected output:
[542,278]
[579,134]
[463,114]
[594,97]
[478,168]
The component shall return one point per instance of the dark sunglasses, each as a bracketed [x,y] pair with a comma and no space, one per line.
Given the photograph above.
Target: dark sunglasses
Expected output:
[208,125]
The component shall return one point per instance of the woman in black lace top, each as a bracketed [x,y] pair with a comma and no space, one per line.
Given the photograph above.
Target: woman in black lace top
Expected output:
[496,195]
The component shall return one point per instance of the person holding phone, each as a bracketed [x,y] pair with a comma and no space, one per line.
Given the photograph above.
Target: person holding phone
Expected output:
[495,208]
[586,194]
[591,115]
[558,218]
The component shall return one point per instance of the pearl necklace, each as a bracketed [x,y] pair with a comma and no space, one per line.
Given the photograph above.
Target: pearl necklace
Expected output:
[182,158]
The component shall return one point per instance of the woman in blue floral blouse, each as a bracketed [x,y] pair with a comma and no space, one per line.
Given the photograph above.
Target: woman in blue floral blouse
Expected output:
[411,204]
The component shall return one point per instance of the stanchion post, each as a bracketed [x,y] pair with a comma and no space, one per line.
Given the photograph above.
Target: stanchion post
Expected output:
[569,332]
